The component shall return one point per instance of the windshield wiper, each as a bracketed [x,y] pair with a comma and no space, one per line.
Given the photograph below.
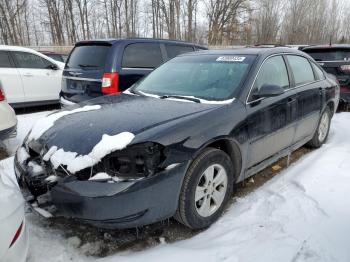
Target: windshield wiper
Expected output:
[85,65]
[193,99]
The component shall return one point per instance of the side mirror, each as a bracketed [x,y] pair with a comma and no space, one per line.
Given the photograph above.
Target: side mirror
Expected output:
[53,67]
[269,91]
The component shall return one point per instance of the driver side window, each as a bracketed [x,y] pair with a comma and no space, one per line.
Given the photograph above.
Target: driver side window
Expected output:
[272,72]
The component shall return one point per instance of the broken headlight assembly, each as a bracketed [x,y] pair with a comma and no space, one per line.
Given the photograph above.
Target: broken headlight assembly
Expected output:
[134,162]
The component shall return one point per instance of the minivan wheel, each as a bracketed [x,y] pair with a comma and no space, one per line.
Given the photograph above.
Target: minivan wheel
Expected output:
[322,130]
[206,189]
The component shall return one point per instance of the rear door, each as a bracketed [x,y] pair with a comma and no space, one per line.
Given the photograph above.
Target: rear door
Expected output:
[85,68]
[40,77]
[10,79]
[139,59]
[309,96]
[271,121]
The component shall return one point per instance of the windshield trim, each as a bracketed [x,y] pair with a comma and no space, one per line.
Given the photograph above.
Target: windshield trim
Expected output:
[202,101]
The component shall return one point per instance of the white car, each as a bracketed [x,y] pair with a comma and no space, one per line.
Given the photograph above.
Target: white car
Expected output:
[28,77]
[13,231]
[8,120]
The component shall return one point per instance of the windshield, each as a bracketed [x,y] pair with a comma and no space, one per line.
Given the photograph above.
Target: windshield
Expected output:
[88,56]
[329,54]
[209,77]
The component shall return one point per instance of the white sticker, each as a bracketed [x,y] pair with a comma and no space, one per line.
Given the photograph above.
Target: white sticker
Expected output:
[230,59]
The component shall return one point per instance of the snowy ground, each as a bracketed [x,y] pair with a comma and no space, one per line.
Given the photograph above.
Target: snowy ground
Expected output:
[302,214]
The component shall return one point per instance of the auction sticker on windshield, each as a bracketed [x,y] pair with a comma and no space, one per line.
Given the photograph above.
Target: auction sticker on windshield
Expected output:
[230,59]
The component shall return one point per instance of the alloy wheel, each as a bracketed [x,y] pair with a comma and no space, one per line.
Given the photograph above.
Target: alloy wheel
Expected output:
[211,190]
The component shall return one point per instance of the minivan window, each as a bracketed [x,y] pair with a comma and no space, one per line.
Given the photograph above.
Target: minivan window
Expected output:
[329,54]
[88,56]
[272,72]
[28,60]
[142,55]
[301,69]
[4,60]
[209,77]
[175,50]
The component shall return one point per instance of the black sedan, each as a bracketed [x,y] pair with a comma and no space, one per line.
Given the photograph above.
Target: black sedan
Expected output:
[177,142]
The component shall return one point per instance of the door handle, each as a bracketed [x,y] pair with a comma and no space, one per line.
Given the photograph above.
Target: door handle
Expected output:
[291,100]
[28,74]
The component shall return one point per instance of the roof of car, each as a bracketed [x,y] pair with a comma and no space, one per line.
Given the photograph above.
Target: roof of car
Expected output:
[16,48]
[335,46]
[49,53]
[247,51]
[113,41]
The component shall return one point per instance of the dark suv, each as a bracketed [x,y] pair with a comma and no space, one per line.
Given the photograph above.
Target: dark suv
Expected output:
[335,59]
[101,67]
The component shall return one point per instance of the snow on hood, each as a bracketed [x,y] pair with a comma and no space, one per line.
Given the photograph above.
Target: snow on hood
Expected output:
[75,162]
[47,122]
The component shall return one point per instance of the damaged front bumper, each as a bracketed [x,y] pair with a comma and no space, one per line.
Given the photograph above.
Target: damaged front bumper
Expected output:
[119,204]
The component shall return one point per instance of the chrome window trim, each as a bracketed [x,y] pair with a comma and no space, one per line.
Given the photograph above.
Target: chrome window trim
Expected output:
[289,89]
[82,79]
[137,68]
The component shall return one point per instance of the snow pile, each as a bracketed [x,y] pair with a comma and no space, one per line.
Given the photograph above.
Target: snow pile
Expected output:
[100,176]
[22,155]
[35,167]
[47,122]
[75,162]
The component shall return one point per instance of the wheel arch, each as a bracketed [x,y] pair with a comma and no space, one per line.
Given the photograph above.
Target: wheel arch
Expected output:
[231,148]
[331,106]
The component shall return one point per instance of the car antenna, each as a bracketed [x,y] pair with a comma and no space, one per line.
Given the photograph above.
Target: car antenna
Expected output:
[330,40]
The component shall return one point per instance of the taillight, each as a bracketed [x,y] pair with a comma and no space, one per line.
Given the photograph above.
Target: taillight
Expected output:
[344,89]
[16,236]
[110,83]
[345,69]
[2,95]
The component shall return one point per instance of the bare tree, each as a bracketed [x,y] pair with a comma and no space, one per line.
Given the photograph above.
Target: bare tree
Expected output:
[267,20]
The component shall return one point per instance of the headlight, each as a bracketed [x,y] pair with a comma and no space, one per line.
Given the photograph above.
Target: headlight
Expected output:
[136,161]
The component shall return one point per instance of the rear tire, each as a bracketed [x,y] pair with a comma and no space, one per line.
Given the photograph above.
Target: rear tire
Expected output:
[322,130]
[206,189]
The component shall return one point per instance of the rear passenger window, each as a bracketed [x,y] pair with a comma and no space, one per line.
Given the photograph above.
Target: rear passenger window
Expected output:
[319,73]
[142,55]
[4,60]
[175,50]
[301,69]
[28,60]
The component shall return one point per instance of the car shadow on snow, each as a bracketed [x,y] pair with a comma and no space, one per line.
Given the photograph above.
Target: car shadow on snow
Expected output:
[92,241]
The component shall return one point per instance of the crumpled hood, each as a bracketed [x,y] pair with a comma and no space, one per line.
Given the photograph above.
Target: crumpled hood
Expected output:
[81,131]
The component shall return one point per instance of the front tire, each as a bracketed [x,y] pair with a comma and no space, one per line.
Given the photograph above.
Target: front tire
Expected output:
[206,189]
[322,130]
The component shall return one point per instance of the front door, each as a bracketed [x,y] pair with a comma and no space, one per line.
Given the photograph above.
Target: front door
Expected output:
[271,121]
[10,79]
[40,81]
